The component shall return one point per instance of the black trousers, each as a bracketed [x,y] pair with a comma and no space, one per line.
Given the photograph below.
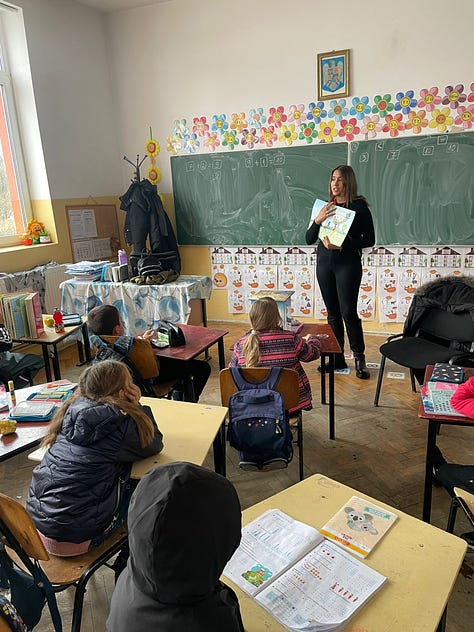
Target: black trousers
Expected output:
[196,370]
[339,277]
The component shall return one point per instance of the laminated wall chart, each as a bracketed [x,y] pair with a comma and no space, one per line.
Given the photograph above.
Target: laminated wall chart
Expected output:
[94,231]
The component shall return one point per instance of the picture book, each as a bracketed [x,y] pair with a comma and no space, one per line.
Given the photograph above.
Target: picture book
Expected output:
[440,393]
[444,372]
[359,525]
[335,227]
[303,579]
[34,314]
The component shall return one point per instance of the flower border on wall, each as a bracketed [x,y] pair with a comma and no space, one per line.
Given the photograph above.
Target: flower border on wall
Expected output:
[358,118]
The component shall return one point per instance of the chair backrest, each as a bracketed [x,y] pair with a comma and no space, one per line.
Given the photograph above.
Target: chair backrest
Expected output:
[19,523]
[287,384]
[447,326]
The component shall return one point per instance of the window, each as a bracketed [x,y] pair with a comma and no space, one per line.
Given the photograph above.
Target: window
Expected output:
[14,199]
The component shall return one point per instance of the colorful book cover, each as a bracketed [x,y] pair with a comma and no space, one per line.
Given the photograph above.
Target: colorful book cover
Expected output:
[17,304]
[359,526]
[440,394]
[35,314]
[335,227]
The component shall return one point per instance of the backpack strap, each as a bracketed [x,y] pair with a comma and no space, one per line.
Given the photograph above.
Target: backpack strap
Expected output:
[269,382]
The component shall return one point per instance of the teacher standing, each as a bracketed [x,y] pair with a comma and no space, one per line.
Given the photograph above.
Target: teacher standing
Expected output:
[339,268]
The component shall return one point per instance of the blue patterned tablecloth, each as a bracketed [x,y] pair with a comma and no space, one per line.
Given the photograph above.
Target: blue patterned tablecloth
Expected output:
[141,306]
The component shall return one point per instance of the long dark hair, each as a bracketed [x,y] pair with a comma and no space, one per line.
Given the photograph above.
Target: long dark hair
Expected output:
[350,183]
[101,383]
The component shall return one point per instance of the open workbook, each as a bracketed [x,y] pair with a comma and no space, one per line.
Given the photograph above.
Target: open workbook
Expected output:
[305,581]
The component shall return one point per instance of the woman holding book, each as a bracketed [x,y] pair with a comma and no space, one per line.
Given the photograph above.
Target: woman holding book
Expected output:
[339,268]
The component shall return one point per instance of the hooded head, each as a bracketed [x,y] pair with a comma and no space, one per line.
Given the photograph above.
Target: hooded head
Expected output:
[184,525]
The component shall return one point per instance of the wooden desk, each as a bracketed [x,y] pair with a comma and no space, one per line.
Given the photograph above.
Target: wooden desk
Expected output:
[188,430]
[421,562]
[434,421]
[49,342]
[329,347]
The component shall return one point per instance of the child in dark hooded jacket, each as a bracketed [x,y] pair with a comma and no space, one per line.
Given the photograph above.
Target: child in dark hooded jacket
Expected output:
[184,525]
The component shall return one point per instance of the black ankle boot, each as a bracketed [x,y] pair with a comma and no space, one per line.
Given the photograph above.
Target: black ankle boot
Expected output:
[362,372]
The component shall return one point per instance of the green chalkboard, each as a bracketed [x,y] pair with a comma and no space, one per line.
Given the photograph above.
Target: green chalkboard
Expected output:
[258,197]
[420,189]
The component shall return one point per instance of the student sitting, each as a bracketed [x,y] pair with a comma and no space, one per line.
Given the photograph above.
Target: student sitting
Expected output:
[80,491]
[267,344]
[451,475]
[184,524]
[106,323]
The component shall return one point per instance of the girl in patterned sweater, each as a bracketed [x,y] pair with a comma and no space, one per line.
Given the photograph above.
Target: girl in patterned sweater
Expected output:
[267,344]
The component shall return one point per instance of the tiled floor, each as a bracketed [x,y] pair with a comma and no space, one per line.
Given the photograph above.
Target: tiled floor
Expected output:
[379,451]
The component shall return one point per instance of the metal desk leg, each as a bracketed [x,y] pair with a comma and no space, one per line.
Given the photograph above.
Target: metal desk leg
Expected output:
[47,366]
[430,445]
[332,422]
[323,378]
[220,347]
[55,359]
[84,347]
[218,447]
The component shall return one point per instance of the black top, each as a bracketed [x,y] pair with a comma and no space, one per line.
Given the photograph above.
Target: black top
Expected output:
[361,233]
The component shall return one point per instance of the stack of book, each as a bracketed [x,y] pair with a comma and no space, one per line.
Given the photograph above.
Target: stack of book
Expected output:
[22,315]
[437,393]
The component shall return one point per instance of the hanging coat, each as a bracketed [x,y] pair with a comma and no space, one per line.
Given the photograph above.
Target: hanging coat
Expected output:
[146,218]
[184,524]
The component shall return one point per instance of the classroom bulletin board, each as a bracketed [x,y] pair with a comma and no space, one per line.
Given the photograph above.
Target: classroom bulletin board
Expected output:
[94,231]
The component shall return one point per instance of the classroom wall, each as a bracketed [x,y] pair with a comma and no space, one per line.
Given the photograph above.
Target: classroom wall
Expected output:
[204,58]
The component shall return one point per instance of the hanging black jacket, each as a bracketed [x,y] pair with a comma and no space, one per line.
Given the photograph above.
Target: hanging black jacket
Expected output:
[453,294]
[146,217]
[184,524]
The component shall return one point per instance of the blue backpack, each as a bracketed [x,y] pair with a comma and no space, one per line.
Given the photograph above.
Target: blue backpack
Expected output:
[258,423]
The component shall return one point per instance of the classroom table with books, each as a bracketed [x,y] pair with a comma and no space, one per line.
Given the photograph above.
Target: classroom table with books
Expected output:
[434,422]
[421,563]
[49,341]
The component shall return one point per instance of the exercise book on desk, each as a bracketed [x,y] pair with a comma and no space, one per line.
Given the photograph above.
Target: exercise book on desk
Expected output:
[439,395]
[304,580]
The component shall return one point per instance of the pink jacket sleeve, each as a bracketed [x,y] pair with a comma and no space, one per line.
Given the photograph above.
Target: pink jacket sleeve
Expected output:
[463,398]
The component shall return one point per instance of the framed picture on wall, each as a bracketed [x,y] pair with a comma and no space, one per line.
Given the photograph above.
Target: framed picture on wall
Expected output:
[333,74]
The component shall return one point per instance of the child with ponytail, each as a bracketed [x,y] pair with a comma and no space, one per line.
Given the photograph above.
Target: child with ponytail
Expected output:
[267,345]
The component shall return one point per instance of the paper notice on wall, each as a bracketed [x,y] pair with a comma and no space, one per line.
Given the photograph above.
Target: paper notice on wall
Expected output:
[82,251]
[82,223]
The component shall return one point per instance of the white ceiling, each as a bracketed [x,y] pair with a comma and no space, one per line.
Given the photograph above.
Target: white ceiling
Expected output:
[116,5]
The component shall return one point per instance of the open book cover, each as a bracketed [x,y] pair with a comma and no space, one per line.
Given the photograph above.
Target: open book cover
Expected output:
[305,581]
[359,525]
[335,227]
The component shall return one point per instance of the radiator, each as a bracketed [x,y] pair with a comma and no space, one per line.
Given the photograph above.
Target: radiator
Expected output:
[53,277]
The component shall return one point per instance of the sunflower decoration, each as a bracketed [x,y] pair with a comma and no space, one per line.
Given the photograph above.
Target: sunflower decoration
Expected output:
[152,149]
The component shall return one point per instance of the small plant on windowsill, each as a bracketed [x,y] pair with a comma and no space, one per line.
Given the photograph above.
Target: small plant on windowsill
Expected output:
[44,237]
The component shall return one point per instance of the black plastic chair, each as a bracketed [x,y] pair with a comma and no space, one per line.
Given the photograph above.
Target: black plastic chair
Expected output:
[439,338]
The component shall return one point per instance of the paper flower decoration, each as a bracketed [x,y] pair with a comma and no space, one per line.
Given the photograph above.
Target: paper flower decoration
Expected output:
[371,126]
[393,124]
[152,147]
[470,98]
[405,101]
[249,138]
[349,129]
[154,174]
[382,105]
[191,143]
[316,112]
[308,132]
[429,99]
[238,122]
[454,96]
[219,123]
[230,139]
[287,134]
[360,107]
[441,119]
[180,128]
[256,117]
[211,141]
[338,109]
[200,126]
[465,116]
[173,144]
[277,116]
[416,121]
[268,136]
[297,114]
[327,132]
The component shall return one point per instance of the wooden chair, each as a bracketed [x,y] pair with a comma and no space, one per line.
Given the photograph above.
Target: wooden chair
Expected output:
[461,500]
[24,546]
[287,386]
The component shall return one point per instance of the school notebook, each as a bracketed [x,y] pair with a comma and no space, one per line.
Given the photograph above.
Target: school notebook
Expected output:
[304,580]
[359,525]
[443,372]
[440,394]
